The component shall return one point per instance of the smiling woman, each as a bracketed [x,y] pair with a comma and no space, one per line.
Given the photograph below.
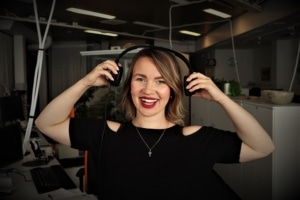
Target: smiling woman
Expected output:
[153,153]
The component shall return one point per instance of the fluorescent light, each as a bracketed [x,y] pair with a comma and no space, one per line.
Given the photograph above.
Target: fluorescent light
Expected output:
[101,33]
[189,33]
[217,13]
[150,25]
[91,13]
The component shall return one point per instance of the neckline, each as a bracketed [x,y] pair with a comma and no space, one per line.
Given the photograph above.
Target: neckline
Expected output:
[154,129]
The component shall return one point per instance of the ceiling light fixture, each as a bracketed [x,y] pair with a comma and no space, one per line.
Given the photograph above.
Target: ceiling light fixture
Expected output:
[91,13]
[101,33]
[189,33]
[150,25]
[217,13]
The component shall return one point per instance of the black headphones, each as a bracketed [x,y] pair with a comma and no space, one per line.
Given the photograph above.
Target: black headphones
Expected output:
[117,77]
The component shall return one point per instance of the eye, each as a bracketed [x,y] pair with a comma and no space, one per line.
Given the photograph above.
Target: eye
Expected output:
[159,82]
[140,79]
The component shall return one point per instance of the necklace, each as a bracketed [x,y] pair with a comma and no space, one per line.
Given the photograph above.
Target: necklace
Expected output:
[150,149]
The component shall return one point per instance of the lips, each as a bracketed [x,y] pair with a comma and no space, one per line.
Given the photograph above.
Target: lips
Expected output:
[148,102]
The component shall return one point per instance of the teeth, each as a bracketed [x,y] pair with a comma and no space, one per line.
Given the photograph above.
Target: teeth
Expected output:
[149,100]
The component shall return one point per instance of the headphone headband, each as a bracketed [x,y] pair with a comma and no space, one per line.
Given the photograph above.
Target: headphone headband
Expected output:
[177,54]
[117,77]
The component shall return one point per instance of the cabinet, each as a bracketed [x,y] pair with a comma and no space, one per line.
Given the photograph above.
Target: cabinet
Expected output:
[274,177]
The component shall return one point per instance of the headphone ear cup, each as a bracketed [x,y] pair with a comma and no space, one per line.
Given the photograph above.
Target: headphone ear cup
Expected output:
[117,77]
[185,83]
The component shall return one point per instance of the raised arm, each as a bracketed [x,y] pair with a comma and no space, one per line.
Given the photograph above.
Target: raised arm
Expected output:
[256,141]
[53,121]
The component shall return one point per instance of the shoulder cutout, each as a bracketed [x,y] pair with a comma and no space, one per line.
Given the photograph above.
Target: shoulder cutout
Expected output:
[188,130]
[114,126]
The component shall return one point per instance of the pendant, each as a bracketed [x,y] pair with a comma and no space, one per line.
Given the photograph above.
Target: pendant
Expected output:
[149,153]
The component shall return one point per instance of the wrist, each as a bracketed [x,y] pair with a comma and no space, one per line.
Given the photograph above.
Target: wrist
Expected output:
[223,99]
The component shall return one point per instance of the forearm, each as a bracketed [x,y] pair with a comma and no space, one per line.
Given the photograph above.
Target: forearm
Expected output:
[249,130]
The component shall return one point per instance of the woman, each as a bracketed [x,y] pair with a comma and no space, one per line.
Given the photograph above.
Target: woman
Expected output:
[153,155]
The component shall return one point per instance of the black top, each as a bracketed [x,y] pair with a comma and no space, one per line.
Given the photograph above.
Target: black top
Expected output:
[181,167]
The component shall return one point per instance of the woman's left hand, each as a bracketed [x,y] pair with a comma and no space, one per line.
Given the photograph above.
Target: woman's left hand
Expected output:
[204,87]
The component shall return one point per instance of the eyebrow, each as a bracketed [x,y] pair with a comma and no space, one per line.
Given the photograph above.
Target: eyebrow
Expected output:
[144,76]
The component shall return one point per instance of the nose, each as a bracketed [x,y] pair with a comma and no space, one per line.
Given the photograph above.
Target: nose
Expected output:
[148,87]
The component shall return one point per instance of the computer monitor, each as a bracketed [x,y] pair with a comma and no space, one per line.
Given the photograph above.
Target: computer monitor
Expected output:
[10,144]
[11,109]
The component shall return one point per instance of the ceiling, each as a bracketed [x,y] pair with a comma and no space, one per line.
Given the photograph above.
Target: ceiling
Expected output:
[185,14]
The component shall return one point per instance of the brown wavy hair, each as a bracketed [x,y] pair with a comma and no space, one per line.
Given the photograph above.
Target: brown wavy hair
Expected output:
[169,67]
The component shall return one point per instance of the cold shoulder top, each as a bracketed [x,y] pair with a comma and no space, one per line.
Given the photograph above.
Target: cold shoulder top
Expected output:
[180,167]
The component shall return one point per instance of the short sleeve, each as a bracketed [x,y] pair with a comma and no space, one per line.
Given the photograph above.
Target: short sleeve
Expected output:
[85,133]
[220,145]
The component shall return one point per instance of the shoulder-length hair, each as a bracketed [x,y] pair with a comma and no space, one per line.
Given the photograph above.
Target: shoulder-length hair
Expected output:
[169,67]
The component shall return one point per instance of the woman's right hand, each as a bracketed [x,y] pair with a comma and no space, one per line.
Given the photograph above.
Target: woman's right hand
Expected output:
[101,74]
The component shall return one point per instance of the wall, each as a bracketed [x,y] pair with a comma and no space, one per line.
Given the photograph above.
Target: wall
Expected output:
[20,62]
[244,59]
[286,51]
[267,66]
[296,84]
[6,64]
[185,47]
[262,65]
[66,66]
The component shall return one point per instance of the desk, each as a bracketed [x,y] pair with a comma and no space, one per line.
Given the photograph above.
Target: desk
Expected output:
[24,186]
[25,189]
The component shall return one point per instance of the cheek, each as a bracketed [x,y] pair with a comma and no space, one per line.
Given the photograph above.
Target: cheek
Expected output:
[134,90]
[165,92]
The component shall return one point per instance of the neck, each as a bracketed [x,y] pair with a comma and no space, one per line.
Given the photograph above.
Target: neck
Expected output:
[151,123]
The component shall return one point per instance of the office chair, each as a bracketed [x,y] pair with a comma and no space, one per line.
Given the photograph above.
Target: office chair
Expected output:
[88,175]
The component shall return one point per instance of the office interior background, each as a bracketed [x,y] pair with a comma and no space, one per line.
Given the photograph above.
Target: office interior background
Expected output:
[254,42]
[260,35]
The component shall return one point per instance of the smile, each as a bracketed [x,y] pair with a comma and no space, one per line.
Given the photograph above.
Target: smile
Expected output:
[149,100]
[148,103]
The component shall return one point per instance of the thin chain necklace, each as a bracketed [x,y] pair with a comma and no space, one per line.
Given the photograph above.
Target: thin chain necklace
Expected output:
[150,149]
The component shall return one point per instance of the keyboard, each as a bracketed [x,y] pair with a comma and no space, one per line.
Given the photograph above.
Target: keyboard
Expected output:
[51,178]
